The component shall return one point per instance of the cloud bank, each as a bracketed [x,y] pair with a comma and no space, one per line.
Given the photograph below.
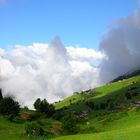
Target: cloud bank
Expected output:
[54,71]
[121,45]
[50,71]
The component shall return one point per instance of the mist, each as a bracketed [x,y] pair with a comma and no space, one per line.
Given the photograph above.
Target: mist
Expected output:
[121,45]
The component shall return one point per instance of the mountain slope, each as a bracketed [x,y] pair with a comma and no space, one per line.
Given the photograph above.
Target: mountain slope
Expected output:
[125,128]
[114,90]
[112,113]
[129,74]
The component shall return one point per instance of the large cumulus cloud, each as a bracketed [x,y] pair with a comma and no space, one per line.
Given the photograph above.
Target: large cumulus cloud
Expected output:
[121,45]
[54,71]
[49,71]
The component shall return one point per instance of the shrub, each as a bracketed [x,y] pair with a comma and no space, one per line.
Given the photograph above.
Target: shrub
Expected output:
[34,129]
[111,106]
[135,93]
[69,124]
[96,106]
[90,104]
[35,115]
[9,108]
[57,128]
[133,88]
[27,116]
[103,105]
[58,114]
[128,95]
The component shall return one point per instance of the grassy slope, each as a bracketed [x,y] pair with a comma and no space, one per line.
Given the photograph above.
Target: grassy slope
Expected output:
[11,131]
[66,102]
[125,125]
[114,126]
[15,130]
[128,134]
[125,128]
[101,93]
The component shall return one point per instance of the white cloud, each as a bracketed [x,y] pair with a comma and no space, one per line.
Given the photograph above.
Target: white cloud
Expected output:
[2,52]
[47,71]
[84,53]
[53,71]
[81,67]
[6,68]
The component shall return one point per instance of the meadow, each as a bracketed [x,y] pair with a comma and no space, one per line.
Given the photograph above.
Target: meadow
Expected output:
[101,123]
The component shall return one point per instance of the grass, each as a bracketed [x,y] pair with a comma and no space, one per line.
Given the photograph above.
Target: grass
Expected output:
[72,99]
[101,93]
[15,130]
[121,124]
[127,127]
[11,130]
[127,134]
[102,124]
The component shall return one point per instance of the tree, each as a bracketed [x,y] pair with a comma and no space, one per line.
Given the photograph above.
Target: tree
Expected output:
[9,108]
[44,107]
[1,94]
[51,110]
[37,104]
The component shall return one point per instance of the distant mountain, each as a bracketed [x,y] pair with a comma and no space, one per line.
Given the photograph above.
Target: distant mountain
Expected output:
[129,74]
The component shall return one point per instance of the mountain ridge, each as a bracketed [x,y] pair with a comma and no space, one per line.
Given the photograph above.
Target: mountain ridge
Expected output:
[129,74]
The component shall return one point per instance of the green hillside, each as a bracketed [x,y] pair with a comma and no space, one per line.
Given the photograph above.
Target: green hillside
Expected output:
[110,112]
[126,127]
[108,123]
[113,90]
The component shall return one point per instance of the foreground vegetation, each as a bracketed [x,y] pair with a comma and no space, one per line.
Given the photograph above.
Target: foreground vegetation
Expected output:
[110,112]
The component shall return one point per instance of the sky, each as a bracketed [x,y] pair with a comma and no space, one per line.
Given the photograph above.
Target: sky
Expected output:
[54,48]
[77,22]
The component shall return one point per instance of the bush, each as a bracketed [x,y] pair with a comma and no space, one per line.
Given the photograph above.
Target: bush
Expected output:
[34,129]
[9,108]
[57,128]
[135,93]
[128,95]
[103,105]
[69,124]
[111,106]
[96,106]
[34,116]
[90,104]
[58,114]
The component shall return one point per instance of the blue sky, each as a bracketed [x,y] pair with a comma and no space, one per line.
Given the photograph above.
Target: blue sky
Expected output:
[77,22]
